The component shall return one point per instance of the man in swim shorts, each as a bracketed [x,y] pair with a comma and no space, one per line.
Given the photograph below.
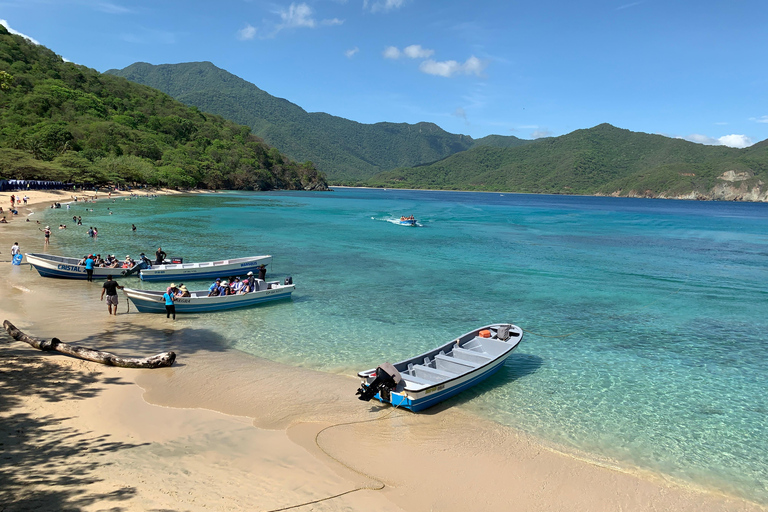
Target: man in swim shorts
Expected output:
[110,287]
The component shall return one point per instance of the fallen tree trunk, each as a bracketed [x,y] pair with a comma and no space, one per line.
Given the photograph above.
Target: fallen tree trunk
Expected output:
[159,361]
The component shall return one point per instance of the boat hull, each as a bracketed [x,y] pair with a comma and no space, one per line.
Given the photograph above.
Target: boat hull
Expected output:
[152,302]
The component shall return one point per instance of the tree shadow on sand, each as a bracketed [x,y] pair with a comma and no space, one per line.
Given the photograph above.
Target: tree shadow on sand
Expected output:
[46,464]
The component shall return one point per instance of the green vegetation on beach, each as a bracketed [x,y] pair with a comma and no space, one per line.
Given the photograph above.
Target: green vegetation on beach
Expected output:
[62,121]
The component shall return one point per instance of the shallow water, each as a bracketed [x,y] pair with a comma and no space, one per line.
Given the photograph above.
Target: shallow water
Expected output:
[652,312]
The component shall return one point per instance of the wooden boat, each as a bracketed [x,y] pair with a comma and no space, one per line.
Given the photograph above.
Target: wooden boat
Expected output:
[430,378]
[148,301]
[49,265]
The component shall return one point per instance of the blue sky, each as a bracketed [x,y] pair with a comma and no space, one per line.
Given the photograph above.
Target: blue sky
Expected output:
[681,68]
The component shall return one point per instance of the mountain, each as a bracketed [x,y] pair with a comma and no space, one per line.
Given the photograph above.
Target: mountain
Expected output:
[67,122]
[347,151]
[603,160]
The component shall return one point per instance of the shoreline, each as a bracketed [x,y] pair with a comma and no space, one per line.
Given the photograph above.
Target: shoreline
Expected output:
[444,458]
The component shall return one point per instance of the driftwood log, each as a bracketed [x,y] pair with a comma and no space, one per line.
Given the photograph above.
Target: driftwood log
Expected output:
[159,361]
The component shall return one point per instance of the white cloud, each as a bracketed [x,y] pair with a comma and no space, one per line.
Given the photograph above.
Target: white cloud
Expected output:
[460,113]
[16,32]
[352,52]
[763,119]
[732,141]
[448,68]
[391,52]
[627,6]
[297,16]
[415,51]
[331,22]
[735,141]
[541,133]
[382,5]
[247,33]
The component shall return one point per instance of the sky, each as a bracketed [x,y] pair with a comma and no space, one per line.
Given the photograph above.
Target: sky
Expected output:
[689,69]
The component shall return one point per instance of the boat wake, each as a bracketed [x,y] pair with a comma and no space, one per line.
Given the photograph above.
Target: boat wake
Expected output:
[396,221]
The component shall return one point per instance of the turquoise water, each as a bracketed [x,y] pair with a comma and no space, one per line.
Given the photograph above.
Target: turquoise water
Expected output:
[661,305]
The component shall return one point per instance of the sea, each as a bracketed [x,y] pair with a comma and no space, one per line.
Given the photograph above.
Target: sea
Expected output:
[646,320]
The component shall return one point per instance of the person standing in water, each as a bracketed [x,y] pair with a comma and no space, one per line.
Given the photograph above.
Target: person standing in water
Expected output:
[170,307]
[110,287]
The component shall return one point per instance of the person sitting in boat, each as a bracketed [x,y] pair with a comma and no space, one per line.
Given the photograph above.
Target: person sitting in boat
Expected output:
[183,291]
[245,288]
[225,289]
[145,260]
[81,261]
[128,262]
[251,283]
[213,291]
[236,286]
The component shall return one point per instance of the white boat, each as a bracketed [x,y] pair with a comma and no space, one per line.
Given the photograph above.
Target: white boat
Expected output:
[148,301]
[49,265]
[430,378]
[206,270]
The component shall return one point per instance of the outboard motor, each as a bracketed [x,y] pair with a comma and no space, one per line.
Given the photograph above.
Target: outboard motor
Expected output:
[288,280]
[387,379]
[141,265]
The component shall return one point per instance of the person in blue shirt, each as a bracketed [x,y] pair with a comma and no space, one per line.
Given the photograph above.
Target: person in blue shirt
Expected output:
[213,291]
[170,307]
[89,268]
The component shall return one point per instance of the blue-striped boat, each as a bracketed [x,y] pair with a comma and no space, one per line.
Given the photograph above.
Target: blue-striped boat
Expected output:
[49,265]
[149,301]
[434,376]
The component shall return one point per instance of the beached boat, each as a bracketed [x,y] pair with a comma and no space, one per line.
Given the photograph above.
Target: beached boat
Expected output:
[147,301]
[49,265]
[430,378]
[206,270]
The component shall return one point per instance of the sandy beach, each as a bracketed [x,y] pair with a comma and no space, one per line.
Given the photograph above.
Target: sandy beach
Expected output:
[224,430]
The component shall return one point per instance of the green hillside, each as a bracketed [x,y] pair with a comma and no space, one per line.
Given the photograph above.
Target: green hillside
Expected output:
[66,122]
[347,151]
[599,160]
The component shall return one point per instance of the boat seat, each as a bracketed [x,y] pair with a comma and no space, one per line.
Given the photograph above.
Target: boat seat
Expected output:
[470,355]
[463,364]
[415,380]
[433,374]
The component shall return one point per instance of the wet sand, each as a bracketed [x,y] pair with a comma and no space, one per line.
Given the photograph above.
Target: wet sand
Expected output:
[223,430]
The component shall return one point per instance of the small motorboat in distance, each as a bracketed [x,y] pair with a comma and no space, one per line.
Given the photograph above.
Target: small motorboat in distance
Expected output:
[407,221]
[148,301]
[430,378]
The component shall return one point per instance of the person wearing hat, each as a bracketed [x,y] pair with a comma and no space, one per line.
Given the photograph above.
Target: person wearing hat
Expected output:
[262,272]
[236,286]
[89,262]
[170,307]
[213,291]
[183,292]
[46,233]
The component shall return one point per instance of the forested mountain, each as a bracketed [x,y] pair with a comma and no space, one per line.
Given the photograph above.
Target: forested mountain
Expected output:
[599,160]
[347,151]
[62,121]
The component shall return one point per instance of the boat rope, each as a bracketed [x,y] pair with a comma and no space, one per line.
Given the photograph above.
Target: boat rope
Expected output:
[376,486]
[613,317]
